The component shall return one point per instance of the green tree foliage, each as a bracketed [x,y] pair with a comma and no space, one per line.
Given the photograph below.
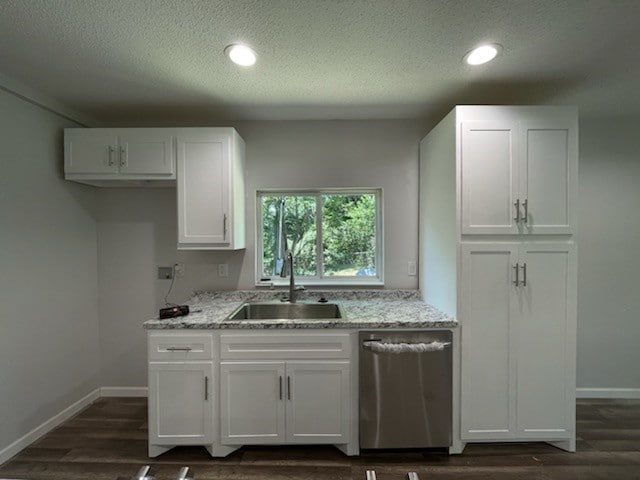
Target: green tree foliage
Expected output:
[349,236]
[348,225]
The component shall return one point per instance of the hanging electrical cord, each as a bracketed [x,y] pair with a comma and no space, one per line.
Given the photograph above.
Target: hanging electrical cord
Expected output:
[173,278]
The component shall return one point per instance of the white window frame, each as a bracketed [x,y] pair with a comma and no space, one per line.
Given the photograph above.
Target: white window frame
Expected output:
[319,280]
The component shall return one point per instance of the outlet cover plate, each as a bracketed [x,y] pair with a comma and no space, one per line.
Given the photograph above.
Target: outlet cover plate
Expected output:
[165,273]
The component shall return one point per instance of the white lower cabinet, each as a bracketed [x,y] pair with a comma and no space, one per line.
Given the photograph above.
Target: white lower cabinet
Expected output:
[226,389]
[318,402]
[251,402]
[180,407]
[518,339]
[300,402]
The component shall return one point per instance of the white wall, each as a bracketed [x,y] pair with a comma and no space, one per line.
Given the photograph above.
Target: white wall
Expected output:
[48,274]
[137,227]
[608,259]
[50,267]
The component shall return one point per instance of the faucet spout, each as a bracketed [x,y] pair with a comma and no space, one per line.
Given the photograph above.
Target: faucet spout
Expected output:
[292,281]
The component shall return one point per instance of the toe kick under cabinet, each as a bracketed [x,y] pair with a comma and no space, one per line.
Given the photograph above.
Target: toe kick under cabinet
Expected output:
[225,389]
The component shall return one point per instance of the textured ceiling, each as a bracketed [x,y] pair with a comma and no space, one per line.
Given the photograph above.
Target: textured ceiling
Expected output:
[154,61]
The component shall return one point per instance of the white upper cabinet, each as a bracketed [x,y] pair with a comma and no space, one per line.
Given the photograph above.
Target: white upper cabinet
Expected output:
[210,189]
[489,177]
[548,174]
[130,156]
[518,170]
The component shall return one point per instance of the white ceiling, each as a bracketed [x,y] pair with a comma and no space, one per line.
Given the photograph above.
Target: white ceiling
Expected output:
[154,61]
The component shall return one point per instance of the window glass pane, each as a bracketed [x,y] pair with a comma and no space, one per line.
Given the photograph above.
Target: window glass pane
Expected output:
[288,223]
[349,234]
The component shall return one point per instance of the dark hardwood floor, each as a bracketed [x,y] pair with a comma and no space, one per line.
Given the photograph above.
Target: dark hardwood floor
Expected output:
[108,440]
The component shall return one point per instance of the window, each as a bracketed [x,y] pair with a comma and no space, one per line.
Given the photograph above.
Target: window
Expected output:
[334,236]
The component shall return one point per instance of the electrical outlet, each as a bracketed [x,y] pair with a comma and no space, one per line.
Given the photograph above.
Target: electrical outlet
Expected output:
[223,269]
[411,269]
[178,270]
[165,273]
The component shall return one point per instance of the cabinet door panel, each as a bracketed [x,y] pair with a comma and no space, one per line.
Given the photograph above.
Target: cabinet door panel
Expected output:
[545,388]
[487,365]
[252,402]
[203,188]
[146,152]
[548,169]
[489,177]
[180,407]
[91,151]
[318,402]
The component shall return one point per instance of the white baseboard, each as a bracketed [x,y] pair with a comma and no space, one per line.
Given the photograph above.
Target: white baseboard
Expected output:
[608,393]
[26,440]
[124,391]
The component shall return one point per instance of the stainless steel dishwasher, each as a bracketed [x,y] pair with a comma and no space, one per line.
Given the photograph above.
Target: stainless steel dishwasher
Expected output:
[405,389]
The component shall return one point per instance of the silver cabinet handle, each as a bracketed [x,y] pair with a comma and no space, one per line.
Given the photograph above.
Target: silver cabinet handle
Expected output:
[123,157]
[206,387]
[524,274]
[280,383]
[517,282]
[412,476]
[224,226]
[179,349]
[288,387]
[111,151]
[525,204]
[370,475]
[517,205]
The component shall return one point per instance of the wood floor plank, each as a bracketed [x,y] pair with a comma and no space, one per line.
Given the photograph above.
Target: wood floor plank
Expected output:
[108,440]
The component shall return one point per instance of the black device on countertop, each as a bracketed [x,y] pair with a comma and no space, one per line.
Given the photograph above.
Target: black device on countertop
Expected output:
[175,311]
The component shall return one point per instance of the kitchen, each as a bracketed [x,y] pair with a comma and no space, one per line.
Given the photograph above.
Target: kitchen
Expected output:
[83,260]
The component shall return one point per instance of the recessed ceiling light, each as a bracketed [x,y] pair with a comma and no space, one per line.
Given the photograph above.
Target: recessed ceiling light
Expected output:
[241,54]
[483,54]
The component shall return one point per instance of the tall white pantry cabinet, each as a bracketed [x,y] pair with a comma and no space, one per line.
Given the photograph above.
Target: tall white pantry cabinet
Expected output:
[498,193]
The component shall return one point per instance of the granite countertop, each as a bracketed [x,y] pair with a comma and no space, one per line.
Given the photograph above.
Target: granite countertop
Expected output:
[363,309]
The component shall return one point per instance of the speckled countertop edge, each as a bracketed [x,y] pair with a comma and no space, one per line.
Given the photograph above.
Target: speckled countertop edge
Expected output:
[363,309]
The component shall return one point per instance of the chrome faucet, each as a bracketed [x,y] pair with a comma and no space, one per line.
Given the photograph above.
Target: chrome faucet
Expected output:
[292,281]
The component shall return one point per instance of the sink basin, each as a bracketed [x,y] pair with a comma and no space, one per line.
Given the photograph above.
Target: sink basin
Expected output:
[287,311]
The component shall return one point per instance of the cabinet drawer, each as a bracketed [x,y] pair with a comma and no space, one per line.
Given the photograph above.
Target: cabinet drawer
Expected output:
[173,346]
[285,346]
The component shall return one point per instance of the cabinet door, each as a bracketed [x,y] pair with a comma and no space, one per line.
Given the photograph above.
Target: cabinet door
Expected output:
[180,406]
[318,402]
[203,189]
[545,341]
[489,177]
[548,175]
[90,151]
[488,368]
[252,402]
[146,151]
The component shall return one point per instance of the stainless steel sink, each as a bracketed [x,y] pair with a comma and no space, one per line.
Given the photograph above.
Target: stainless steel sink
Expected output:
[287,311]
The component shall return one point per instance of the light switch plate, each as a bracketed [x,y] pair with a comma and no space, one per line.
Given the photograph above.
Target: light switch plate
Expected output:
[411,269]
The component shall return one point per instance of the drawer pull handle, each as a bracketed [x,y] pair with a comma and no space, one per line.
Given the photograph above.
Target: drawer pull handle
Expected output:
[206,388]
[111,150]
[179,349]
[288,387]
[280,383]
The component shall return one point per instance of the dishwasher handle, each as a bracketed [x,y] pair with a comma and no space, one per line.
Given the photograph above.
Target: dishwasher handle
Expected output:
[378,346]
